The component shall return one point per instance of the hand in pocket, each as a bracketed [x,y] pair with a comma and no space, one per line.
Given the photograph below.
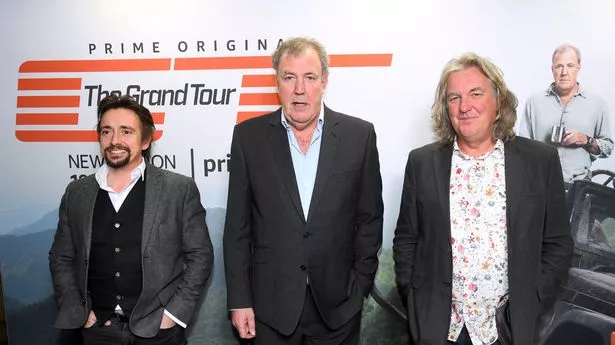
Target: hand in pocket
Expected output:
[91,320]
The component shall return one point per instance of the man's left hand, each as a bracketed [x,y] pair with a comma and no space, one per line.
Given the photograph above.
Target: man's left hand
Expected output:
[574,138]
[166,322]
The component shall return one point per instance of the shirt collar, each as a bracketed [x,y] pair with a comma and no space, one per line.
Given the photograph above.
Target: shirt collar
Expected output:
[551,91]
[321,118]
[497,151]
[103,171]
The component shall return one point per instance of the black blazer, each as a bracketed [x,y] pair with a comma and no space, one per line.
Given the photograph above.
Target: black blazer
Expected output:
[270,249]
[539,239]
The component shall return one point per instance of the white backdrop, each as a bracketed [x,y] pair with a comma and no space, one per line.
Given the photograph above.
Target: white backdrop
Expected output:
[519,36]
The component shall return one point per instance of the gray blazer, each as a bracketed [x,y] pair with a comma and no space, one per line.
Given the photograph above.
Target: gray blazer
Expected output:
[539,239]
[177,253]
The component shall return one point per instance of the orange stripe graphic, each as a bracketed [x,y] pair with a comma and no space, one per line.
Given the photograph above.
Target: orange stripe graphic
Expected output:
[340,60]
[47,101]
[258,80]
[49,84]
[235,62]
[259,99]
[158,118]
[63,118]
[127,65]
[246,115]
[64,136]
[122,65]
[47,119]
[360,60]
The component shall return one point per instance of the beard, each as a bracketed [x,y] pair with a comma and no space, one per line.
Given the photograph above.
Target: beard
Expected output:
[117,163]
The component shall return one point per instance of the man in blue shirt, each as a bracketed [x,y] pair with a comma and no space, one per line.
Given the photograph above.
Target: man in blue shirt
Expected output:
[304,216]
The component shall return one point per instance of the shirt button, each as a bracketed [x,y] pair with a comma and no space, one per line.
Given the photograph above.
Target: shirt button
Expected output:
[116,225]
[118,297]
[117,274]
[306,234]
[117,250]
[303,267]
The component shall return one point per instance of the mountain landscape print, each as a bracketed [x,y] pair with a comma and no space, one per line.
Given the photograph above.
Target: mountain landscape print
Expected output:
[31,308]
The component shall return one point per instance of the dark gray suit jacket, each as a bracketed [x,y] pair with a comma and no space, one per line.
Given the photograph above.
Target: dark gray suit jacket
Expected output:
[270,249]
[177,253]
[539,239]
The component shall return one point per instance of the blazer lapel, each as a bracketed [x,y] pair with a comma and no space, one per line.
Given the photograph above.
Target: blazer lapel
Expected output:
[153,192]
[90,193]
[328,146]
[278,139]
[442,172]
[516,182]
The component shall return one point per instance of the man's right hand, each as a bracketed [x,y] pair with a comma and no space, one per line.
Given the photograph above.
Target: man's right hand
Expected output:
[572,137]
[243,320]
[91,320]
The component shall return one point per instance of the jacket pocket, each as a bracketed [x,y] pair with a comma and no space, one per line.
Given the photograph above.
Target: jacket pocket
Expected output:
[259,254]
[502,322]
[417,278]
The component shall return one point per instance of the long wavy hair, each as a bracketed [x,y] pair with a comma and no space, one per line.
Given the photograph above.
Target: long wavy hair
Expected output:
[504,126]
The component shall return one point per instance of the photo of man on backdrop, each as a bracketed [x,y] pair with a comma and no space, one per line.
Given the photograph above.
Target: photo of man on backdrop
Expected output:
[568,117]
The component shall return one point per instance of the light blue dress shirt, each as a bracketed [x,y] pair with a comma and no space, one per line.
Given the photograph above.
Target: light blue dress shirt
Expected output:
[305,166]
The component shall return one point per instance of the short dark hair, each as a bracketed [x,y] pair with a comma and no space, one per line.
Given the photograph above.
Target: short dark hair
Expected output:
[127,102]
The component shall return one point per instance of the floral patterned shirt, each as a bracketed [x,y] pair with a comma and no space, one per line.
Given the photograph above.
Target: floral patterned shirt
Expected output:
[478,242]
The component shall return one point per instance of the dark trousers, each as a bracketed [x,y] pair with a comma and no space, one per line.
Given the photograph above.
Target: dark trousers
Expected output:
[311,329]
[464,339]
[118,333]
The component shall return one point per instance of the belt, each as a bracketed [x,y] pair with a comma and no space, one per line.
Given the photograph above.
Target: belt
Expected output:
[119,317]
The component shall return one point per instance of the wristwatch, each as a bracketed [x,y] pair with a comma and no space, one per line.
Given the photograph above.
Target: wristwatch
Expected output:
[590,142]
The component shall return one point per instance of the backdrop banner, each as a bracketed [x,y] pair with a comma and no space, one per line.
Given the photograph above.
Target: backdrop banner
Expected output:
[203,66]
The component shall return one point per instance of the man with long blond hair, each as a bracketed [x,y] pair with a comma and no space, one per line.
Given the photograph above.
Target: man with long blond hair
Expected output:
[482,240]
